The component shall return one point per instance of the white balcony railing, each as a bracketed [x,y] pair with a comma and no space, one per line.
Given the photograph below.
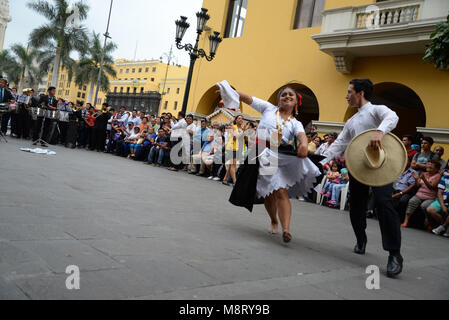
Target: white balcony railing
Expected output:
[387,16]
[395,27]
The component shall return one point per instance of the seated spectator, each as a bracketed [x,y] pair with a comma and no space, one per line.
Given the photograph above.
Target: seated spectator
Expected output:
[206,156]
[333,177]
[144,144]
[407,140]
[311,145]
[337,187]
[160,148]
[426,183]
[132,140]
[439,151]
[420,159]
[438,210]
[404,189]
[122,149]
[317,141]
[199,139]
[331,137]
[144,126]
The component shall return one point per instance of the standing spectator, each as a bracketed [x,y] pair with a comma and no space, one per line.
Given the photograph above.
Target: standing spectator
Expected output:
[438,210]
[311,145]
[135,118]
[90,122]
[331,137]
[420,159]
[426,183]
[439,151]
[154,125]
[199,139]
[317,141]
[403,189]
[407,140]
[100,128]
[235,147]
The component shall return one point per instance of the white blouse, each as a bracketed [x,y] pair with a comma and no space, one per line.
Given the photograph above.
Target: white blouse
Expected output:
[269,120]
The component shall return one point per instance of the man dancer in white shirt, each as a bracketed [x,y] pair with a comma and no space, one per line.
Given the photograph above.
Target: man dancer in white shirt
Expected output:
[383,119]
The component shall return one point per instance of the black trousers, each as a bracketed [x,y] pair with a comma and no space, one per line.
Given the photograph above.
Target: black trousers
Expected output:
[5,120]
[23,126]
[389,222]
[63,126]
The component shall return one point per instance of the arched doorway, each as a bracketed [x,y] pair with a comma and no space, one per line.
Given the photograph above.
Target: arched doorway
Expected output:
[209,101]
[310,108]
[402,100]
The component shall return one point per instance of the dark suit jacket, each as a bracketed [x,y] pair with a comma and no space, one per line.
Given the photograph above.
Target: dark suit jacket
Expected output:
[6,97]
[45,100]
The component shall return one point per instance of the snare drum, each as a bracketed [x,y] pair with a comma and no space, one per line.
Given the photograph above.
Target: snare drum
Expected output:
[4,108]
[64,116]
[13,107]
[40,112]
[52,114]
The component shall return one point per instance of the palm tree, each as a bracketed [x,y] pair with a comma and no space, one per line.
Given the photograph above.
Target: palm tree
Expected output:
[27,64]
[87,69]
[55,37]
[9,67]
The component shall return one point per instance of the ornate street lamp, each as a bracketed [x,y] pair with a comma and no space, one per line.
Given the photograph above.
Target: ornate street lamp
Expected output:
[181,27]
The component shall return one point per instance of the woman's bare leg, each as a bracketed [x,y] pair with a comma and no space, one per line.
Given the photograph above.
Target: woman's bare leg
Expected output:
[284,210]
[270,206]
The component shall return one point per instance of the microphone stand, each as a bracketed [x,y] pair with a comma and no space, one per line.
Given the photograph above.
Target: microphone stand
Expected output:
[40,140]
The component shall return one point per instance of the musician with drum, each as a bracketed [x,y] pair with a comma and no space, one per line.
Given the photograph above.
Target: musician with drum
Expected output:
[6,99]
[50,104]
[64,116]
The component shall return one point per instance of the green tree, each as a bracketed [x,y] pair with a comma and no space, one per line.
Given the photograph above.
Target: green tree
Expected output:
[438,50]
[57,38]
[8,66]
[27,64]
[87,69]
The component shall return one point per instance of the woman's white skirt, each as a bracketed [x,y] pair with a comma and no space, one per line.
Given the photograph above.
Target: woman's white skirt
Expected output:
[282,171]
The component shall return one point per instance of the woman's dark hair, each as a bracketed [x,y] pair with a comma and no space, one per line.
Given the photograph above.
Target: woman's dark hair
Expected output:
[364,85]
[436,163]
[235,120]
[297,98]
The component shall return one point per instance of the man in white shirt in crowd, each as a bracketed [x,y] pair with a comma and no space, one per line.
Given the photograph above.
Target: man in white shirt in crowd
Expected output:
[331,137]
[383,119]
[124,118]
[135,118]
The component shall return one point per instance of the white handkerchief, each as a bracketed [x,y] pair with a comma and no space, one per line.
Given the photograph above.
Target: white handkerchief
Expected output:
[231,98]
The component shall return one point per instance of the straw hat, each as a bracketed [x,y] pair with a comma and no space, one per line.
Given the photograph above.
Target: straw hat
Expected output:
[376,167]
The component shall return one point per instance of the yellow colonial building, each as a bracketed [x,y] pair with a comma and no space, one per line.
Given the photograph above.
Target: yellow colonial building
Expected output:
[135,80]
[318,46]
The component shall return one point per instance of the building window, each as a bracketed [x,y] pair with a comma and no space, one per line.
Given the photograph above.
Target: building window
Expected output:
[79,95]
[135,90]
[308,13]
[168,90]
[147,69]
[152,79]
[177,91]
[121,70]
[236,18]
[140,70]
[127,90]
[121,90]
[83,95]
[68,84]
[154,69]
[165,105]
[79,88]
[134,70]
[84,88]
[115,90]
[141,90]
[127,70]
[176,105]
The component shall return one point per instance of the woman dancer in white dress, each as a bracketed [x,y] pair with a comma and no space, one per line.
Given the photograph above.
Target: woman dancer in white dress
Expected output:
[295,174]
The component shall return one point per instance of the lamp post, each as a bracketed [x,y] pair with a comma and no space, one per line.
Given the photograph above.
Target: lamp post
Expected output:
[181,27]
[106,36]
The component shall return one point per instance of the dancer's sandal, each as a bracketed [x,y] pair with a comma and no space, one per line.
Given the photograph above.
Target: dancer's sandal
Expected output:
[286,237]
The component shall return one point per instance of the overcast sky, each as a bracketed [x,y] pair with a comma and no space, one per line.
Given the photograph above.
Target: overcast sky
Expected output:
[150,23]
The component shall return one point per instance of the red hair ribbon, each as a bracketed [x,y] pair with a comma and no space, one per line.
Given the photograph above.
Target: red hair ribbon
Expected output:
[299,101]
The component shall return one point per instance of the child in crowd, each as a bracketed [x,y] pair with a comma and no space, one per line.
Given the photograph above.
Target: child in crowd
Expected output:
[438,210]
[333,177]
[336,188]
[132,141]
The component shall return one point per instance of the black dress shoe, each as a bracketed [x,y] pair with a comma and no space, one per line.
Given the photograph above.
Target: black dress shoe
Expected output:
[394,266]
[360,248]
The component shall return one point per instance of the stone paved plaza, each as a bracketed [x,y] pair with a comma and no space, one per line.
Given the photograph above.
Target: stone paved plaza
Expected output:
[141,232]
